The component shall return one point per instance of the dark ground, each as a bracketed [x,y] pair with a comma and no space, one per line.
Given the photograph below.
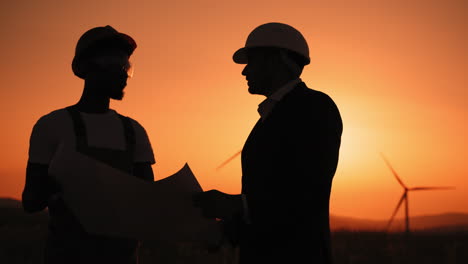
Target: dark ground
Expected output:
[22,240]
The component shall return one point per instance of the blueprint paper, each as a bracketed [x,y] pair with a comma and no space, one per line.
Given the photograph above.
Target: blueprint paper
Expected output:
[108,201]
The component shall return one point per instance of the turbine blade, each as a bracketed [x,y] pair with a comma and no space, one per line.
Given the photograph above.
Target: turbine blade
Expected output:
[394,172]
[403,197]
[228,160]
[431,188]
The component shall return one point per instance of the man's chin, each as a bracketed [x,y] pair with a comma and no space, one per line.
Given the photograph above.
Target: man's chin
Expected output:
[254,90]
[117,96]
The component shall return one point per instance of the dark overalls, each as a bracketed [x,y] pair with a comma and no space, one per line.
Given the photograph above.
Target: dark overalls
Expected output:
[68,242]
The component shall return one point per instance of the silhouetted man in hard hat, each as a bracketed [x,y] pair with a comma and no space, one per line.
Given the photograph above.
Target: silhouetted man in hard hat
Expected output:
[288,160]
[102,60]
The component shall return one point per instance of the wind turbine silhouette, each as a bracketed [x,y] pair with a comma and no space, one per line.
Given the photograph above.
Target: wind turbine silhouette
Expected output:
[404,197]
[228,160]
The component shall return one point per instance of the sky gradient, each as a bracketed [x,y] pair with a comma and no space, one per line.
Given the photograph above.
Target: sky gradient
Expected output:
[396,69]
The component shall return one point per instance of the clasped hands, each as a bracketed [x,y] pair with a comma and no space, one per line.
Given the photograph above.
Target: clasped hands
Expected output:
[216,204]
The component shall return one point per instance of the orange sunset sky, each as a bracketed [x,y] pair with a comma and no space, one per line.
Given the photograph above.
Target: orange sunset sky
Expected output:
[396,69]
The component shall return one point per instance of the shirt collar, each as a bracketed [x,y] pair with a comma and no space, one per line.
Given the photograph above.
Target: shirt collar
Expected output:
[285,89]
[265,107]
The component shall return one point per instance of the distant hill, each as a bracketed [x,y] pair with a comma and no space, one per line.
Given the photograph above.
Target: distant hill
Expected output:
[11,213]
[447,221]
[351,223]
[9,203]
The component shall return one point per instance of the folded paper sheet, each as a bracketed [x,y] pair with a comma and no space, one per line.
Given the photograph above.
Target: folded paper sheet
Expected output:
[110,202]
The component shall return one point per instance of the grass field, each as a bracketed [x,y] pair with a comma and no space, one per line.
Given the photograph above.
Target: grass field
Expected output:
[21,244]
[418,247]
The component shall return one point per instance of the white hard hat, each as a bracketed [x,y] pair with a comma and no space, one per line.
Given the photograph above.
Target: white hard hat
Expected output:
[276,35]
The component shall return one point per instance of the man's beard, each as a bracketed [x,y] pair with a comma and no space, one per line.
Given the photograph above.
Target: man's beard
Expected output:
[257,90]
[117,94]
[116,90]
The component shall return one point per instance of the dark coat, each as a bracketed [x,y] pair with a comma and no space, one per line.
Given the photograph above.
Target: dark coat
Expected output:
[288,163]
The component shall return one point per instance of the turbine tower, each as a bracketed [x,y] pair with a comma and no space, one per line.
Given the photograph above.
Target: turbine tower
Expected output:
[404,196]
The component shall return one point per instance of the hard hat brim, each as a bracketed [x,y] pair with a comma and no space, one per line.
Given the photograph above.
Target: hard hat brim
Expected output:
[129,44]
[240,56]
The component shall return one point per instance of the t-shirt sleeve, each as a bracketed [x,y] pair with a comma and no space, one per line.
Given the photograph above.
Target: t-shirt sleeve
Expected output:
[143,149]
[43,141]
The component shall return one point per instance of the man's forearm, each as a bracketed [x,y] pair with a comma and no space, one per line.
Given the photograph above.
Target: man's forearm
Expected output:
[38,188]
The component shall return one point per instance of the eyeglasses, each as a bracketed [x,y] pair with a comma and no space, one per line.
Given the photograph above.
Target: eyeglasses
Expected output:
[129,69]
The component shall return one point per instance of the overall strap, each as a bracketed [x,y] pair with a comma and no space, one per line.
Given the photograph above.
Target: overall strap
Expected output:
[79,128]
[81,135]
[129,133]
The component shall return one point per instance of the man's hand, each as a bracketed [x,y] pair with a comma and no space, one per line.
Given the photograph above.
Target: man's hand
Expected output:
[215,204]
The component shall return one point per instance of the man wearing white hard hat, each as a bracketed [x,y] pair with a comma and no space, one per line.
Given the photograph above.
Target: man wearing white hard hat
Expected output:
[288,160]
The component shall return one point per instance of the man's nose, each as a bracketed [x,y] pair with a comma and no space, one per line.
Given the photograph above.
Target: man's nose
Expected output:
[244,71]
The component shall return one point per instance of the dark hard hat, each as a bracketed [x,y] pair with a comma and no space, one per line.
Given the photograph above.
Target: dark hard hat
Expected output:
[100,37]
